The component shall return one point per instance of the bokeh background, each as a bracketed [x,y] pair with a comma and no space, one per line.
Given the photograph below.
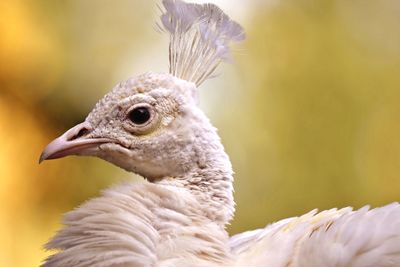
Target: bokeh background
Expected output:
[309,112]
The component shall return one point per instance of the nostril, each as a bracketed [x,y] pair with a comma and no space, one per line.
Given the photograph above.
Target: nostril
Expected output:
[82,132]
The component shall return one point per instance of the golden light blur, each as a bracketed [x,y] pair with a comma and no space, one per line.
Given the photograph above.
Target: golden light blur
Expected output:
[309,111]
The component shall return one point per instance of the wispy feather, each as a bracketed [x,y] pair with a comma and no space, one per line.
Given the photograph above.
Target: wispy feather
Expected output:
[200,38]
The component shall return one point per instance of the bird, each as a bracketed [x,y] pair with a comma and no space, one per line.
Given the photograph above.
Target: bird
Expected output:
[152,125]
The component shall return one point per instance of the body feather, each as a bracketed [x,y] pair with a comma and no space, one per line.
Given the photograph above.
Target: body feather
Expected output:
[333,238]
[139,225]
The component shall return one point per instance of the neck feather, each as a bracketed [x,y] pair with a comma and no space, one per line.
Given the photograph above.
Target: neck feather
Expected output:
[211,185]
[210,176]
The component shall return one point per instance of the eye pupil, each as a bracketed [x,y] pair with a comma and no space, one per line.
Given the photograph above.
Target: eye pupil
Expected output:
[139,115]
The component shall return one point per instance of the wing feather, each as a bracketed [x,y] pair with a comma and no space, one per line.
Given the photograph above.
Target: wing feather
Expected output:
[333,238]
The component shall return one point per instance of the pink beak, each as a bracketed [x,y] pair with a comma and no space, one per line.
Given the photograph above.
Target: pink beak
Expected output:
[72,142]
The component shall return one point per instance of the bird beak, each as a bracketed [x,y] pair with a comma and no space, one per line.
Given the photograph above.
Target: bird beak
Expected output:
[72,142]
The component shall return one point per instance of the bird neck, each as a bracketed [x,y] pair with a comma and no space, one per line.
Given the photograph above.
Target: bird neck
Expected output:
[210,179]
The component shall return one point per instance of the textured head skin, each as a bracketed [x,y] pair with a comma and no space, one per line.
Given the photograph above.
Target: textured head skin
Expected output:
[164,146]
[160,147]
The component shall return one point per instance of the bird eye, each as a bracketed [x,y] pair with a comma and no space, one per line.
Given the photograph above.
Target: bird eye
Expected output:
[139,115]
[141,118]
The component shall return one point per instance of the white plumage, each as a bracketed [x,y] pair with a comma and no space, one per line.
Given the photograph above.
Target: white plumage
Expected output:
[151,125]
[199,38]
[332,238]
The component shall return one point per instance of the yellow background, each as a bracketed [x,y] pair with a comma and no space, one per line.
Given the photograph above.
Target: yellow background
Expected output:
[309,111]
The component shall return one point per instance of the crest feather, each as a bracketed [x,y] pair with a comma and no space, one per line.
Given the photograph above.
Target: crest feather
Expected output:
[200,36]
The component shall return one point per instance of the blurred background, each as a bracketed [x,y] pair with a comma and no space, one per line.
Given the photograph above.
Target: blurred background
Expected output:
[309,112]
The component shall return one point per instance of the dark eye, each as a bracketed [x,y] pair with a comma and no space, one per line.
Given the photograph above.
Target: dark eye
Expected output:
[139,115]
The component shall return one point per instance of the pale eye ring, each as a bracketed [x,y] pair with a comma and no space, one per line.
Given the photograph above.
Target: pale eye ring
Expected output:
[141,118]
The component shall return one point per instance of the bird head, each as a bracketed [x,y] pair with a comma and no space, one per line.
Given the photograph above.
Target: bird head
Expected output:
[146,125]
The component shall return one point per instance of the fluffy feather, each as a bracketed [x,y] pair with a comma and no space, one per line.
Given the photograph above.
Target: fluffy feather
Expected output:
[200,36]
[333,238]
[140,225]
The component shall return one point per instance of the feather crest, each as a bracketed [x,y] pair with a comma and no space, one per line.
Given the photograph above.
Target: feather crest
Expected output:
[200,38]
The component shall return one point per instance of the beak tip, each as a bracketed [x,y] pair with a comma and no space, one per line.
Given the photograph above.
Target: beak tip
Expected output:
[42,158]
